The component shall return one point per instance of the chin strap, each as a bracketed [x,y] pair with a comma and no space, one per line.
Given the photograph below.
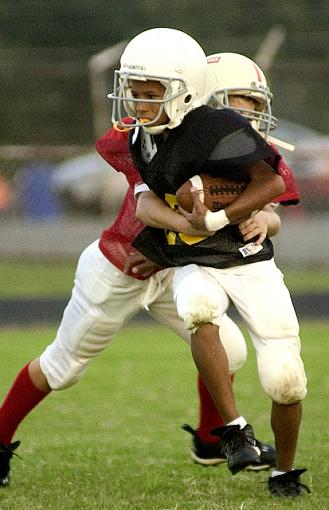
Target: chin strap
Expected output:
[117,127]
[121,129]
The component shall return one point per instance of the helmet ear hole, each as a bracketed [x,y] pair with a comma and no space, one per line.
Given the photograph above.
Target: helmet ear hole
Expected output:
[188,99]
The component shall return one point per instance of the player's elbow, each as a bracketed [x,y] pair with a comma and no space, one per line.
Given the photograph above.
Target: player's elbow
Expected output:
[273,184]
[262,175]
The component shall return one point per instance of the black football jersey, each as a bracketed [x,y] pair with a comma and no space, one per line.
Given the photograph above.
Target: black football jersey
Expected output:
[217,142]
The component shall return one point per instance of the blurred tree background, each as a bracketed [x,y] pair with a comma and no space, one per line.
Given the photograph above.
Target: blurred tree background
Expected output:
[46,46]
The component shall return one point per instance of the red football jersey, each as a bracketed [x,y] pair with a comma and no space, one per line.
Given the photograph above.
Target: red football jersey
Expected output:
[115,241]
[291,195]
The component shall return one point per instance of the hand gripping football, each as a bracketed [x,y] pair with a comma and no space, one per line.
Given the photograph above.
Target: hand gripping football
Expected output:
[215,192]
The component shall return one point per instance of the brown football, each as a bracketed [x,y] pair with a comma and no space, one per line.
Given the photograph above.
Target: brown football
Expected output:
[215,192]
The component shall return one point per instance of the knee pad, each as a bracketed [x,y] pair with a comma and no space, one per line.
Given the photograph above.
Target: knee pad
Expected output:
[60,374]
[281,372]
[233,342]
[200,310]
[198,297]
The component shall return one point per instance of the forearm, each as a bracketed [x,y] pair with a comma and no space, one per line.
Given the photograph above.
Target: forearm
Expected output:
[258,193]
[263,187]
[154,212]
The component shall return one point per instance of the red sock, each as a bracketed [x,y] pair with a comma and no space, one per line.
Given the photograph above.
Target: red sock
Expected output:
[21,398]
[209,416]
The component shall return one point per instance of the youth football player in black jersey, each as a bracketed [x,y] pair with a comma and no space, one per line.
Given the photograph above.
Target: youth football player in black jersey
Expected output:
[174,137]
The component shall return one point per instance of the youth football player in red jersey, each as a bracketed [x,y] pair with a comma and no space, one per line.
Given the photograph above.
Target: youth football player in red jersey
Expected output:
[97,304]
[108,292]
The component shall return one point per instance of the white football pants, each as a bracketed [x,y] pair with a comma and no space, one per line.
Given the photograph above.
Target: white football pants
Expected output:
[104,300]
[259,294]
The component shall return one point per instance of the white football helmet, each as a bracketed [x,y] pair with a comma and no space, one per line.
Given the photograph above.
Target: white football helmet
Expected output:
[166,55]
[234,74]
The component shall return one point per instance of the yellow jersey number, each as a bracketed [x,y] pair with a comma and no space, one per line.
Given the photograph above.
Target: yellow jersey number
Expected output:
[172,237]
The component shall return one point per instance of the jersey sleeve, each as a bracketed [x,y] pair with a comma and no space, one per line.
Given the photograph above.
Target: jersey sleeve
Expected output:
[219,142]
[110,145]
[113,148]
[240,147]
[291,195]
[140,188]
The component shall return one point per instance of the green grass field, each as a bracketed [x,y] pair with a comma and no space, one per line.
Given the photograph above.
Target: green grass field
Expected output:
[52,279]
[114,440]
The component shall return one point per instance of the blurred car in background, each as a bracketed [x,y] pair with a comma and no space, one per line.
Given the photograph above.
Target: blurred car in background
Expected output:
[309,162]
[88,185]
[79,186]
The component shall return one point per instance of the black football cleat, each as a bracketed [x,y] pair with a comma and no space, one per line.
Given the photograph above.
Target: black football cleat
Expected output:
[212,454]
[239,446]
[6,453]
[287,485]
[267,453]
[206,454]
